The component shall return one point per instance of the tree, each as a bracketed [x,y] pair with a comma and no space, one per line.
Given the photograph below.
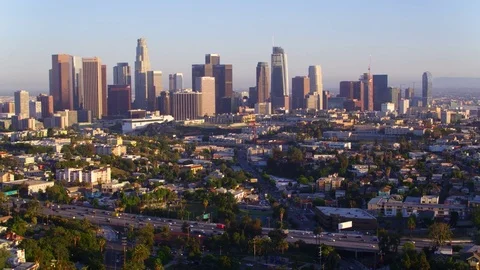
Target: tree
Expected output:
[411,223]
[453,219]
[440,233]
[282,245]
[282,212]
[423,263]
[205,205]
[476,217]
[4,255]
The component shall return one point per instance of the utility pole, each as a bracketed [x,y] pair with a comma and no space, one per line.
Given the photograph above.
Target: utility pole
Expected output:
[124,244]
[254,248]
[320,256]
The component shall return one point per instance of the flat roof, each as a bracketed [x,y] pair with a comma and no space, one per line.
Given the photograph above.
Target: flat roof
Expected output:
[346,212]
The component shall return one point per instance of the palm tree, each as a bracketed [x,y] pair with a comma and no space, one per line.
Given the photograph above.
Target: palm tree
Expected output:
[317,231]
[282,212]
[205,205]
[282,245]
[101,243]
[411,224]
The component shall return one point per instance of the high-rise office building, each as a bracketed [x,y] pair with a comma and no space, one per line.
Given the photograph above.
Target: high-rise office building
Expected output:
[427,89]
[316,83]
[22,107]
[119,99]
[359,94]
[201,70]
[142,65]
[403,106]
[186,104]
[8,107]
[171,82]
[212,58]
[61,81]
[78,95]
[368,91]
[393,94]
[35,109]
[380,85]
[164,103]
[263,83]
[122,74]
[104,91]
[47,105]
[223,88]
[300,89]
[279,81]
[409,93]
[178,79]
[206,86]
[92,86]
[346,89]
[252,96]
[154,79]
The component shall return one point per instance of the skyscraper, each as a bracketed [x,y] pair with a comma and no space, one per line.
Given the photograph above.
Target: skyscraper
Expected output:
[212,58]
[263,82]
[409,93]
[279,81]
[252,96]
[380,85]
[393,96]
[206,86]
[368,91]
[61,81]
[35,109]
[300,88]
[427,89]
[164,103]
[122,74]
[223,88]
[171,82]
[92,85]
[142,65]
[178,79]
[316,83]
[22,108]
[104,90]
[78,95]
[346,89]
[186,104]
[154,79]
[119,99]
[47,105]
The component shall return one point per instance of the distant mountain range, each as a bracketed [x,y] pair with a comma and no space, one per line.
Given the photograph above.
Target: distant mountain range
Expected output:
[456,82]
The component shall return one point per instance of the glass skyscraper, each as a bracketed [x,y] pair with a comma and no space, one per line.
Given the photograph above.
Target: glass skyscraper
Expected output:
[427,89]
[279,81]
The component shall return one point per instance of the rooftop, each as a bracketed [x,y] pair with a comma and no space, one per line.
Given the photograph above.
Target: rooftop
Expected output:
[346,212]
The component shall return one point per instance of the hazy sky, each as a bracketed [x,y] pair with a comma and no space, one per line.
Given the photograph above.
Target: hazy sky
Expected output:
[404,38]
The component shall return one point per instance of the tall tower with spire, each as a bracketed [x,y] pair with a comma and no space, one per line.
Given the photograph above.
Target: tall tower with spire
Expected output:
[142,66]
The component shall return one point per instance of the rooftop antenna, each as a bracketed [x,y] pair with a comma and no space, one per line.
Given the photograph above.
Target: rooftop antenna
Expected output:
[273,40]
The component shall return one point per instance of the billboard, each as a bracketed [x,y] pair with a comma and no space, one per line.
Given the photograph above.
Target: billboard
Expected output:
[206,216]
[344,225]
[11,192]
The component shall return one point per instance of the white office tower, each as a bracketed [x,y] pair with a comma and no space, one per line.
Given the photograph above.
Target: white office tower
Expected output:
[206,85]
[316,84]
[35,108]
[22,99]
[142,66]
[388,107]
[154,79]
[403,106]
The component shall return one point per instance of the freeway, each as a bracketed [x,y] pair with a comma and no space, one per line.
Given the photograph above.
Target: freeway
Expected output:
[346,241]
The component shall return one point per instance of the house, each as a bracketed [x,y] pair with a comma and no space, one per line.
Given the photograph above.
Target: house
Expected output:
[332,182]
[194,168]
[6,177]
[385,191]
[34,186]
[339,194]
[474,261]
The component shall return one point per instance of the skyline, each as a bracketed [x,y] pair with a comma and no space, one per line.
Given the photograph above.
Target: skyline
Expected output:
[408,42]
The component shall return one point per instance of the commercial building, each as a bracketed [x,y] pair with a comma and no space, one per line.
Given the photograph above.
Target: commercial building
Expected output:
[35,109]
[394,95]
[61,81]
[332,182]
[403,106]
[206,86]
[92,86]
[300,89]
[133,124]
[409,93]
[104,91]
[122,74]
[388,107]
[46,102]
[119,99]
[154,81]
[330,217]
[22,107]
[33,186]
[264,108]
[142,66]
[368,94]
[186,104]
[262,83]
[279,82]
[93,176]
[389,207]
[223,88]
[346,89]
[78,94]
[164,103]
[427,89]
[380,85]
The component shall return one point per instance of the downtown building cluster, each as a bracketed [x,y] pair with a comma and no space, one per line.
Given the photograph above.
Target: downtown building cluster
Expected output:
[78,92]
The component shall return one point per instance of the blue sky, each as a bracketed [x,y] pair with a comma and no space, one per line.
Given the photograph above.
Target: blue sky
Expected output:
[404,38]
